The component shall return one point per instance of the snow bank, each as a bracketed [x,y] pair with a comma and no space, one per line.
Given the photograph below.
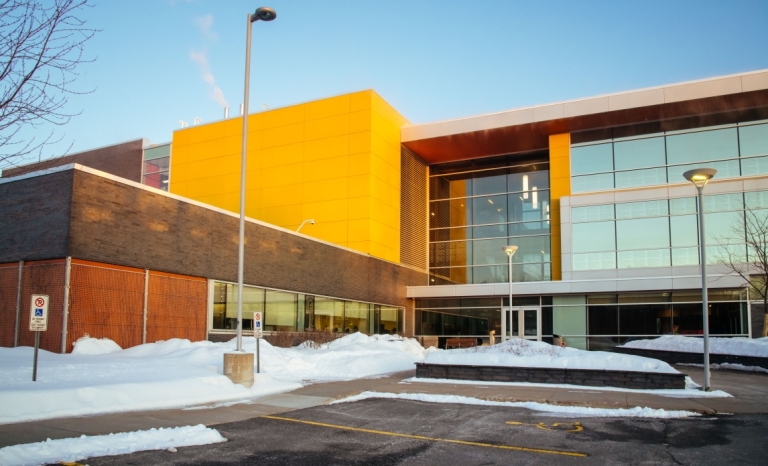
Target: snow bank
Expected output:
[526,353]
[80,448]
[736,346]
[580,410]
[691,389]
[89,346]
[351,357]
[178,373]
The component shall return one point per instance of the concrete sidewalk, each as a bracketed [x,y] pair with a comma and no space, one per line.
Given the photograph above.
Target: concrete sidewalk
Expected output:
[750,396]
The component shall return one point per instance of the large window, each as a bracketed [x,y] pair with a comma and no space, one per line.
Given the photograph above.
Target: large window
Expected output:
[476,211]
[156,166]
[661,233]
[655,159]
[287,311]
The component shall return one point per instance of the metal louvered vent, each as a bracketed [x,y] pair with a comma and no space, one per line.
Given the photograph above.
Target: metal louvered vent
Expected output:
[413,209]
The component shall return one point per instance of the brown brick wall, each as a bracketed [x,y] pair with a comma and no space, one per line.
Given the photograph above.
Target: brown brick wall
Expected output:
[123,160]
[119,224]
[34,217]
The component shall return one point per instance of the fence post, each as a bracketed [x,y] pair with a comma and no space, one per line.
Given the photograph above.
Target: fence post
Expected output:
[65,319]
[146,299]
[18,307]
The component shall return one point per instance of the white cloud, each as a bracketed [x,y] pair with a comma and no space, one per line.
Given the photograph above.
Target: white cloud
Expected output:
[205,23]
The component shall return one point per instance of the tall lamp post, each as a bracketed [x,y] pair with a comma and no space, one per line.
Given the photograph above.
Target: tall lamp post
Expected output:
[236,365]
[699,177]
[510,250]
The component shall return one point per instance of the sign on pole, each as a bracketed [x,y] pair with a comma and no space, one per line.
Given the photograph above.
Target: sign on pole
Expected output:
[38,317]
[257,325]
[38,322]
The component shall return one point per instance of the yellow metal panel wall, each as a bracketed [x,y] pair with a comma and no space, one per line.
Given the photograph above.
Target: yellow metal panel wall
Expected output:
[560,181]
[336,160]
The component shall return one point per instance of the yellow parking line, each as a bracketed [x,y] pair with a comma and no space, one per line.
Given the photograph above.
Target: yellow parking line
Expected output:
[431,439]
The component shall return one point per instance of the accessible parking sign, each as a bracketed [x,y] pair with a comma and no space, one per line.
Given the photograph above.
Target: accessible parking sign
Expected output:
[38,317]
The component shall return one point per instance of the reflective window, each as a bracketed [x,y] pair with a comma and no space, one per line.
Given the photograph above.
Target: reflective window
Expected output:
[280,313]
[356,317]
[329,315]
[156,166]
[601,182]
[592,213]
[753,140]
[647,177]
[597,236]
[592,159]
[642,209]
[492,209]
[645,233]
[702,146]
[489,185]
[639,153]
[684,231]
[489,208]
[659,159]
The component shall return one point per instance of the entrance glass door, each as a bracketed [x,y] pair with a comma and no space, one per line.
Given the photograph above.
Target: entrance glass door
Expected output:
[523,322]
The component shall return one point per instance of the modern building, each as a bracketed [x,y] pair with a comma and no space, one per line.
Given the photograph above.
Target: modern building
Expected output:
[410,220]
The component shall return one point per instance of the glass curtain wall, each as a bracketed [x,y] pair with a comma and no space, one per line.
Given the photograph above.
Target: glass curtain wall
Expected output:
[287,311]
[593,322]
[657,159]
[156,166]
[661,233]
[477,210]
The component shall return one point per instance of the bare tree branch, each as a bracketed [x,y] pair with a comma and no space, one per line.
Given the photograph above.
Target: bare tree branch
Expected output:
[41,47]
[751,230]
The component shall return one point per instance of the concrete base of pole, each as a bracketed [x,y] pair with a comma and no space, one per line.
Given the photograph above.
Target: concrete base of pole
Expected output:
[239,368]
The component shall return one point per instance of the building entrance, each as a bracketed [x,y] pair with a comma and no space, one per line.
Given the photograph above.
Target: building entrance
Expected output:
[523,322]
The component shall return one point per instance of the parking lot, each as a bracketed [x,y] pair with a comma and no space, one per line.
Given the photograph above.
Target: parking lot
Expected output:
[383,432]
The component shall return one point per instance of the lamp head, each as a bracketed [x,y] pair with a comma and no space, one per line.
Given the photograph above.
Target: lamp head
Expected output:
[312,221]
[264,13]
[510,250]
[700,176]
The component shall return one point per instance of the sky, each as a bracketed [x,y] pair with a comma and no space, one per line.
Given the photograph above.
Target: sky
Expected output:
[161,61]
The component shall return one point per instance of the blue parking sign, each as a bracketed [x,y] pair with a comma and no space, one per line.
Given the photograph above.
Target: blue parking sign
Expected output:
[258,324]
[38,313]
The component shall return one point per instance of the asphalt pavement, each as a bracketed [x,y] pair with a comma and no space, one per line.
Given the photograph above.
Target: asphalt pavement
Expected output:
[388,432]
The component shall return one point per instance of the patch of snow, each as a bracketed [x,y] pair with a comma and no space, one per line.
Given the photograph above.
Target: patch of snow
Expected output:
[690,390]
[525,353]
[90,346]
[79,448]
[729,366]
[532,405]
[178,373]
[736,346]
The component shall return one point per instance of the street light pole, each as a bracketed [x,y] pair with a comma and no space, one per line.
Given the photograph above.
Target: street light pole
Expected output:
[264,14]
[510,250]
[699,177]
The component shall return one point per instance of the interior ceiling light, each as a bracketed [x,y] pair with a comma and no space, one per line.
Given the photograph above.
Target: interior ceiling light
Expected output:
[535,198]
[525,186]
[490,201]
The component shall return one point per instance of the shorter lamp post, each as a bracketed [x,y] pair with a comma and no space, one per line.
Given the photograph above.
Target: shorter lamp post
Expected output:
[699,177]
[510,250]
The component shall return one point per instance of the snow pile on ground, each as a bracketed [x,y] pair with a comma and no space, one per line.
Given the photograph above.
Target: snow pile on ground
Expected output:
[691,389]
[526,353]
[351,357]
[580,410]
[90,346]
[730,367]
[79,448]
[178,373]
[736,346]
